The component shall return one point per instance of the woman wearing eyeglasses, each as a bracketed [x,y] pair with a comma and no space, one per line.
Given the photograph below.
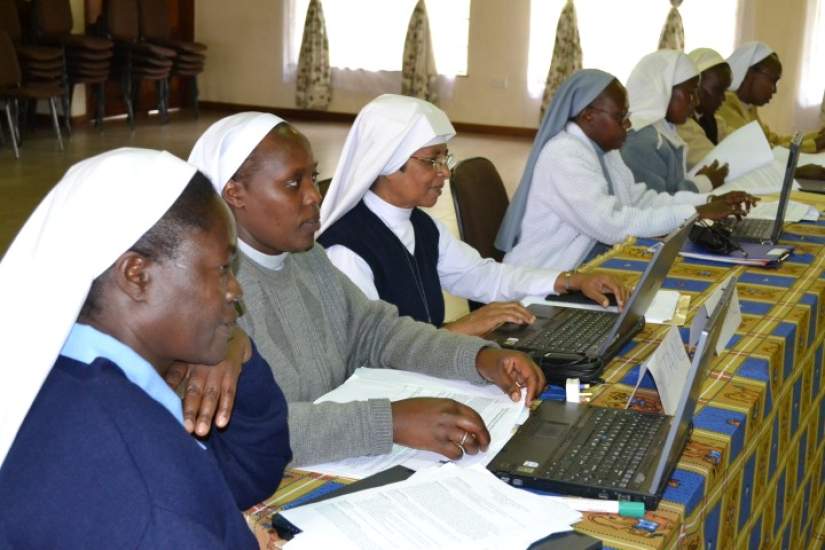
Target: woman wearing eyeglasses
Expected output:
[577,197]
[663,92]
[395,160]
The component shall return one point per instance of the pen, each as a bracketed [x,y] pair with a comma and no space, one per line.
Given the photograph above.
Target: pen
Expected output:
[622,507]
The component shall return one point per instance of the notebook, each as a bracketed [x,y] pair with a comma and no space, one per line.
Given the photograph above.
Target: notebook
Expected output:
[604,453]
[570,342]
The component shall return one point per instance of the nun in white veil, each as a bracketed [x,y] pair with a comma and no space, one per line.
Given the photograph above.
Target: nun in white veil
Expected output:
[756,72]
[395,161]
[662,91]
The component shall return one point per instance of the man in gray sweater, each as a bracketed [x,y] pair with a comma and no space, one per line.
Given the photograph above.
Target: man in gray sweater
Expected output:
[314,327]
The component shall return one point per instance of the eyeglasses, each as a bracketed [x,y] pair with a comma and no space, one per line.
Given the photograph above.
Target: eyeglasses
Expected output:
[619,117]
[444,162]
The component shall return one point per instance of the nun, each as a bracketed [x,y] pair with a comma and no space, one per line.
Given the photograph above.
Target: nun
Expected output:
[756,72]
[315,327]
[662,90]
[395,161]
[702,131]
[121,270]
[577,197]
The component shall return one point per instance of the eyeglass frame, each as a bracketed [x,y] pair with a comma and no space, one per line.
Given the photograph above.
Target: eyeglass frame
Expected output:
[446,161]
[613,114]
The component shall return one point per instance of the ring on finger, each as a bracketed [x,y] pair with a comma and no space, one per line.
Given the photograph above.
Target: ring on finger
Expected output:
[463,439]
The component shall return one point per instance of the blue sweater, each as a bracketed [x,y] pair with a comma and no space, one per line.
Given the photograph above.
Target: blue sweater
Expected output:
[657,165]
[98,463]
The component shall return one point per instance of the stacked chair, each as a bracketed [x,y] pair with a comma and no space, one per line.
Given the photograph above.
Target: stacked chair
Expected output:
[87,58]
[135,59]
[12,90]
[190,58]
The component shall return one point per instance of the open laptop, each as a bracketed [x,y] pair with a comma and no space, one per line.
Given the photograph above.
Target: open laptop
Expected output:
[767,231]
[604,453]
[572,342]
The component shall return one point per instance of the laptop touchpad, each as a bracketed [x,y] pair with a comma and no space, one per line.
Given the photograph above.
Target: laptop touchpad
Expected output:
[551,430]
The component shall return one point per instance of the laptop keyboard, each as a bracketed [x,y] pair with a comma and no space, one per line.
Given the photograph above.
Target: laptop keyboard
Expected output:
[611,454]
[580,331]
[755,229]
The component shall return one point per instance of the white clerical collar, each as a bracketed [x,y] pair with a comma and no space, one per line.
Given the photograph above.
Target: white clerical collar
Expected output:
[389,213]
[267,261]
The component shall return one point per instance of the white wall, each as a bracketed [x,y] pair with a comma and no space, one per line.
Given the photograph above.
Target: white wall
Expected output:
[244,64]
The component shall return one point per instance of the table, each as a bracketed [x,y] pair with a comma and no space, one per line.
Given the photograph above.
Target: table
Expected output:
[752,474]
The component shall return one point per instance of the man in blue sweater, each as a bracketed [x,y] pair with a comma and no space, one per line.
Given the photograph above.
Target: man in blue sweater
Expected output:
[137,247]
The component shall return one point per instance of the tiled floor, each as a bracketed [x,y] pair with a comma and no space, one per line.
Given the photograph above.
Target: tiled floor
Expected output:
[24,182]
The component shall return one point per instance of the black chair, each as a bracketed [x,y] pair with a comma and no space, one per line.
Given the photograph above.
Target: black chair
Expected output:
[480,202]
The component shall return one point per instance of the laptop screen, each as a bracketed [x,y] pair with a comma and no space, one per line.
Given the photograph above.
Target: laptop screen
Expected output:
[698,372]
[650,283]
[787,184]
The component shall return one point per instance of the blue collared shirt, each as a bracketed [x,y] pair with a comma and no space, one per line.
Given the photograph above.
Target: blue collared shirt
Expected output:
[86,343]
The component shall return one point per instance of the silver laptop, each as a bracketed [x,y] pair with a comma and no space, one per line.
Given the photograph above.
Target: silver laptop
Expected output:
[605,453]
[769,231]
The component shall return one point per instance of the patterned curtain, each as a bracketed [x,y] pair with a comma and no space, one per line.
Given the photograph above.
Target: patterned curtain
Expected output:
[312,87]
[567,54]
[418,74]
[673,33]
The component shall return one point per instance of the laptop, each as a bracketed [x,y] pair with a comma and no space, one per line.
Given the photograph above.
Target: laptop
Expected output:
[573,342]
[604,453]
[811,186]
[767,231]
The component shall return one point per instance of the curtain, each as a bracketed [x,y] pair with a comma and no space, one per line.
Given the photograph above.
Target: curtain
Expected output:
[418,74]
[312,86]
[673,33]
[567,54]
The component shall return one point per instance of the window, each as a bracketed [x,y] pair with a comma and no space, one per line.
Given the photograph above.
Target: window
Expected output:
[813,79]
[369,34]
[614,35]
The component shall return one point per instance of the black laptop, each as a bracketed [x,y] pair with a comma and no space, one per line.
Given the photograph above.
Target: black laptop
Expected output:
[572,342]
[769,231]
[605,453]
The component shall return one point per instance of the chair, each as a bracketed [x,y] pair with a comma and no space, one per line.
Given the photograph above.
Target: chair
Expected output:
[87,58]
[480,202]
[11,90]
[137,60]
[190,59]
[323,187]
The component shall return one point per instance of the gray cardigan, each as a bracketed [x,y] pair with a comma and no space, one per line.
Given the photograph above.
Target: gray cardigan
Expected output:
[315,327]
[657,163]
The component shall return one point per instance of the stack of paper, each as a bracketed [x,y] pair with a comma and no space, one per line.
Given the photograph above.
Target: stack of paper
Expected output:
[500,414]
[744,151]
[446,507]
[661,310]
[795,212]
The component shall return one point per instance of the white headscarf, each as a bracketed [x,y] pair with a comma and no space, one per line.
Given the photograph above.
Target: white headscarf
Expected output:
[651,83]
[705,58]
[386,132]
[100,208]
[743,58]
[223,147]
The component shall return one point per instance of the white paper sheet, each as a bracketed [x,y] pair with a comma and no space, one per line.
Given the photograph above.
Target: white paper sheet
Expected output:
[660,311]
[781,154]
[743,151]
[500,415]
[446,507]
[796,211]
[669,366]
[762,181]
[732,320]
